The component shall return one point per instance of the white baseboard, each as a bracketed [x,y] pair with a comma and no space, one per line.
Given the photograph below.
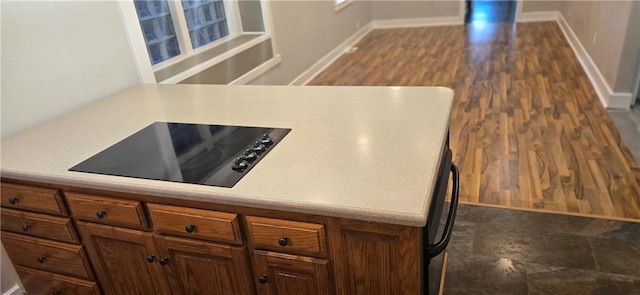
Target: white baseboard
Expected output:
[254,73]
[540,16]
[608,98]
[15,290]
[620,100]
[418,22]
[328,59]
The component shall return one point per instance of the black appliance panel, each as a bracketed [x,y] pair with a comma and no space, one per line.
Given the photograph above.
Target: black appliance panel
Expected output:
[216,155]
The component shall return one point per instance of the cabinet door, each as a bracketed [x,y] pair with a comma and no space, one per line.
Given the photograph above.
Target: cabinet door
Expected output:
[284,274]
[126,261]
[199,267]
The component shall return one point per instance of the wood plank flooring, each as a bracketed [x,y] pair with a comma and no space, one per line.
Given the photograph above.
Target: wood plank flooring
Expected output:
[527,129]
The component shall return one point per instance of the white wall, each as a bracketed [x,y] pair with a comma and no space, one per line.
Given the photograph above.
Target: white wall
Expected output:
[402,9]
[306,31]
[58,56]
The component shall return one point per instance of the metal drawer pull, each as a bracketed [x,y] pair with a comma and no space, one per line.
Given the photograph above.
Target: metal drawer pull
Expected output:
[42,259]
[190,228]
[151,258]
[26,227]
[164,260]
[283,241]
[13,200]
[262,279]
[101,214]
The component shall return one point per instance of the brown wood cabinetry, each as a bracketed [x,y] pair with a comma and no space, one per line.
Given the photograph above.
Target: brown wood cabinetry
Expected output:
[124,213]
[125,260]
[32,199]
[133,244]
[131,261]
[42,242]
[285,274]
[196,223]
[39,225]
[42,282]
[287,236]
[199,267]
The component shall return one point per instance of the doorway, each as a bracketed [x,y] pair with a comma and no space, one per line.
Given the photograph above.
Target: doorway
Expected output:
[491,11]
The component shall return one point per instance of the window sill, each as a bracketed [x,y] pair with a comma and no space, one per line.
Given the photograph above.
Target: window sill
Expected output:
[342,5]
[189,66]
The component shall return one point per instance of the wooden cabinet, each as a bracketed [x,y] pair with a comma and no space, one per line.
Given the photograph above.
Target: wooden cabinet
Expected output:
[131,261]
[32,199]
[42,242]
[285,274]
[196,223]
[287,236]
[289,265]
[199,267]
[39,225]
[124,213]
[125,260]
[132,244]
[43,282]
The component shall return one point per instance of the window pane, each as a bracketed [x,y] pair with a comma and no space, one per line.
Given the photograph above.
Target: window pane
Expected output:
[206,20]
[158,30]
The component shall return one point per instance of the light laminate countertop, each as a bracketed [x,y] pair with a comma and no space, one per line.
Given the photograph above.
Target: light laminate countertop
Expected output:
[368,153]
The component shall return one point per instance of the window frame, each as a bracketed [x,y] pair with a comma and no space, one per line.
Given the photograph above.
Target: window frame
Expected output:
[147,71]
[232,13]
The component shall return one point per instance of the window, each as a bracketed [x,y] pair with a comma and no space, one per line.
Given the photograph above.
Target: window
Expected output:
[200,41]
[204,22]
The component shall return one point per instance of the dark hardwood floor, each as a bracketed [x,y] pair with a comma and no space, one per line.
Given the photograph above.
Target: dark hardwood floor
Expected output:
[527,129]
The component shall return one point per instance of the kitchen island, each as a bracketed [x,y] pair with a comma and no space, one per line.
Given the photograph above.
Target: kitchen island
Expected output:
[337,206]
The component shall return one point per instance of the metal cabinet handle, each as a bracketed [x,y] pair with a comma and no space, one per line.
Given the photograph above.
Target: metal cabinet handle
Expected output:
[262,279]
[101,214]
[164,260]
[26,227]
[151,258]
[437,248]
[56,293]
[283,241]
[42,259]
[190,228]
[13,200]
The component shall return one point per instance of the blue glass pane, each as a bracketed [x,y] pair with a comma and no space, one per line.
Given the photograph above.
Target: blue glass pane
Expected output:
[158,30]
[206,21]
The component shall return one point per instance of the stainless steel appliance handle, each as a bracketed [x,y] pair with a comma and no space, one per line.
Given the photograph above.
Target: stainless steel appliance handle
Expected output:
[439,247]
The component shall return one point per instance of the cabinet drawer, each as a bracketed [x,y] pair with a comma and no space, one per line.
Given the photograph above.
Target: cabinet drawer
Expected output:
[287,236]
[47,255]
[41,282]
[125,213]
[32,198]
[196,223]
[39,225]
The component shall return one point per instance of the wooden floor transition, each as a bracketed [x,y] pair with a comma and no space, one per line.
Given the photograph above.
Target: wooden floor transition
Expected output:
[527,129]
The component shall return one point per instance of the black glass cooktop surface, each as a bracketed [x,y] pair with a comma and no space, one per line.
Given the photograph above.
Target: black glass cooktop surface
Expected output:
[216,155]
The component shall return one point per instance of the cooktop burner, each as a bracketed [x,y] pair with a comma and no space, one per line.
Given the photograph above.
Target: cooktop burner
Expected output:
[216,155]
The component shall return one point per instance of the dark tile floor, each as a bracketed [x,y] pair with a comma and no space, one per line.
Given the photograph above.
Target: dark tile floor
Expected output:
[628,123]
[500,251]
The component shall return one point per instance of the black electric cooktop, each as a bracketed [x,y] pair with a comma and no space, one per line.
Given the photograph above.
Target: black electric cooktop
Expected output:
[216,155]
